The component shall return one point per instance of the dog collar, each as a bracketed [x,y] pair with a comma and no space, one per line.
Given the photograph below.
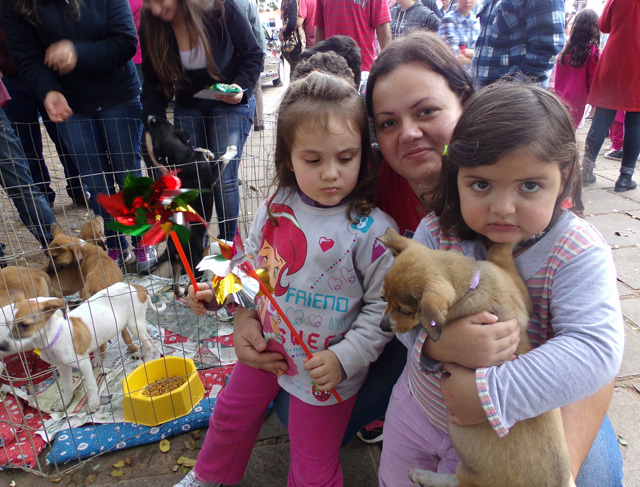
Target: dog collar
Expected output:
[475,280]
[55,338]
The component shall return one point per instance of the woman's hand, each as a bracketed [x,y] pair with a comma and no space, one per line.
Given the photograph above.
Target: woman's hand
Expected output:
[57,107]
[461,395]
[476,341]
[61,56]
[250,344]
[196,299]
[231,98]
[325,369]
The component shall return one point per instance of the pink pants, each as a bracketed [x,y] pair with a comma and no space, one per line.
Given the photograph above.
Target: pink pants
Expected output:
[411,440]
[315,432]
[616,132]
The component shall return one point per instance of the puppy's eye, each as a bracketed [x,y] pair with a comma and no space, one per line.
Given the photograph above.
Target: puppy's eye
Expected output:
[383,297]
[405,312]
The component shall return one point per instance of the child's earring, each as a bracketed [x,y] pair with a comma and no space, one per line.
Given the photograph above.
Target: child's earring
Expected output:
[445,150]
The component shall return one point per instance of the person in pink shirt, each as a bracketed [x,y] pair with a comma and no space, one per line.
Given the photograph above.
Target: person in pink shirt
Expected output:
[576,64]
[308,13]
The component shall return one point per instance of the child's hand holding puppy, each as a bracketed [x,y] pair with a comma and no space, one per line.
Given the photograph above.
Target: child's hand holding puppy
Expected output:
[197,299]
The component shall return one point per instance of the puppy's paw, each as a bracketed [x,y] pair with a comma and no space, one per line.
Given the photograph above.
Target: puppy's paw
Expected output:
[137,355]
[93,405]
[426,478]
[60,406]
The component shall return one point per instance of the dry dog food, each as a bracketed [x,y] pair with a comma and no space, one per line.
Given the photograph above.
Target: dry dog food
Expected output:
[162,386]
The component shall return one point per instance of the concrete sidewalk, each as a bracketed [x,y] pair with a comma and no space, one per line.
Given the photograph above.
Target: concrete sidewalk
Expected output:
[617,216]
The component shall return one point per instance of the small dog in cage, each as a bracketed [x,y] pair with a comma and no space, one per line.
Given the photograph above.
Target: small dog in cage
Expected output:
[170,149]
[93,232]
[77,265]
[31,281]
[66,340]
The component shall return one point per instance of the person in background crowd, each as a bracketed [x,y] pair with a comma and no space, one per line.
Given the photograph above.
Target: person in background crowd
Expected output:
[363,22]
[615,89]
[31,203]
[518,41]
[76,57]
[308,13]
[408,15]
[188,45]
[460,29]
[23,110]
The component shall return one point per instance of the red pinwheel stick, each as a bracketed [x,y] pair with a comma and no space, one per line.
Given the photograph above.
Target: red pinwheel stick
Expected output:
[251,272]
[183,258]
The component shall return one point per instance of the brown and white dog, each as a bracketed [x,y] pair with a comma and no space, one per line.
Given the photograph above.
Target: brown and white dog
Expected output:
[67,341]
[432,287]
[93,232]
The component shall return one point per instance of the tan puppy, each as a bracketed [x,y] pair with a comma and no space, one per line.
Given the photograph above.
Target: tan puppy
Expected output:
[30,281]
[80,266]
[433,287]
[93,232]
[67,341]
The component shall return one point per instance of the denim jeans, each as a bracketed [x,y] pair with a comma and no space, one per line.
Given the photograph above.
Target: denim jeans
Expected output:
[31,203]
[602,120]
[215,126]
[105,145]
[23,110]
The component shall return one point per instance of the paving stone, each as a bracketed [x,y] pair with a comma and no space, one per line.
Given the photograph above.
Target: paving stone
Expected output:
[624,412]
[627,263]
[617,228]
[603,201]
[631,359]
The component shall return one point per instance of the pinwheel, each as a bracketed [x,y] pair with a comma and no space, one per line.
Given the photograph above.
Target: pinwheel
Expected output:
[235,276]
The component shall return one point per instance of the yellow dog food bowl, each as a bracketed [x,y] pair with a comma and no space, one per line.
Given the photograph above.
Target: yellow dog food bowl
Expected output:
[152,395]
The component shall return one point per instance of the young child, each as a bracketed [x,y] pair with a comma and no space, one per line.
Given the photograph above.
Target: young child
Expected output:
[316,236]
[505,181]
[576,64]
[460,29]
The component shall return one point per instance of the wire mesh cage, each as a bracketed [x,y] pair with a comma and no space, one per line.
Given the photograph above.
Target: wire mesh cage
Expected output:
[157,367]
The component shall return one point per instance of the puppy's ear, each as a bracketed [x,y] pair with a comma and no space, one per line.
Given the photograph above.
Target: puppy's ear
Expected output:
[56,230]
[433,314]
[17,296]
[394,242]
[183,136]
[50,306]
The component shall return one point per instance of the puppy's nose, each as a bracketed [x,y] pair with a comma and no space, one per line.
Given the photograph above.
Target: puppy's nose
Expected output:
[4,346]
[151,119]
[385,325]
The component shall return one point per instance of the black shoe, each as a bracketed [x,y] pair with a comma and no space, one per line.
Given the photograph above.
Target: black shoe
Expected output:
[614,155]
[624,183]
[588,179]
[371,433]
[258,128]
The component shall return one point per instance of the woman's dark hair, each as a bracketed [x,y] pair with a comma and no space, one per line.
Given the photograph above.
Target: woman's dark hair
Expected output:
[160,40]
[425,48]
[584,35]
[315,101]
[29,9]
[500,119]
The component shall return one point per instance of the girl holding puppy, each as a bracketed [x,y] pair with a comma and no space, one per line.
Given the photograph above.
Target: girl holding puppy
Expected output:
[504,181]
[316,236]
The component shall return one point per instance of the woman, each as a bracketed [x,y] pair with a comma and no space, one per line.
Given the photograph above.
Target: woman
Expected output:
[76,57]
[616,89]
[188,45]
[415,94]
[293,38]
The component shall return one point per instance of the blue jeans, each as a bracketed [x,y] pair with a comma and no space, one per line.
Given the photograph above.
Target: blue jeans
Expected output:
[105,145]
[32,205]
[601,468]
[215,126]
[602,120]
[23,110]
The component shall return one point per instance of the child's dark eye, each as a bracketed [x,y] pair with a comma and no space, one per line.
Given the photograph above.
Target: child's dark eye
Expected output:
[480,186]
[530,186]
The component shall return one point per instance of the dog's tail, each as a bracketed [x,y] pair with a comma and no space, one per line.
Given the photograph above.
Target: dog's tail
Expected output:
[158,309]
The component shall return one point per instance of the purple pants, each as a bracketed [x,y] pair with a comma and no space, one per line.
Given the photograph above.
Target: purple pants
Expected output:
[315,432]
[411,440]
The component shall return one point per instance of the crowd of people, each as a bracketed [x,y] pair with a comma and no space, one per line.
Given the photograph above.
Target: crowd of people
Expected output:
[472,149]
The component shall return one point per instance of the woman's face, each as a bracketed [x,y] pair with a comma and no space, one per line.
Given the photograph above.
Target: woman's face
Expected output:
[165,10]
[414,112]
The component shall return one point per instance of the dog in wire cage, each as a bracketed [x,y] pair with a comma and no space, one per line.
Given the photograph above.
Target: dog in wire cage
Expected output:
[170,149]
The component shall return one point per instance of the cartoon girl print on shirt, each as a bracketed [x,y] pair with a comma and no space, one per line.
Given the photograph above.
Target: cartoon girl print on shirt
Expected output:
[283,252]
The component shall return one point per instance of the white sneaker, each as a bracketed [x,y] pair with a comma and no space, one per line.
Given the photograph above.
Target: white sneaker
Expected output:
[190,480]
